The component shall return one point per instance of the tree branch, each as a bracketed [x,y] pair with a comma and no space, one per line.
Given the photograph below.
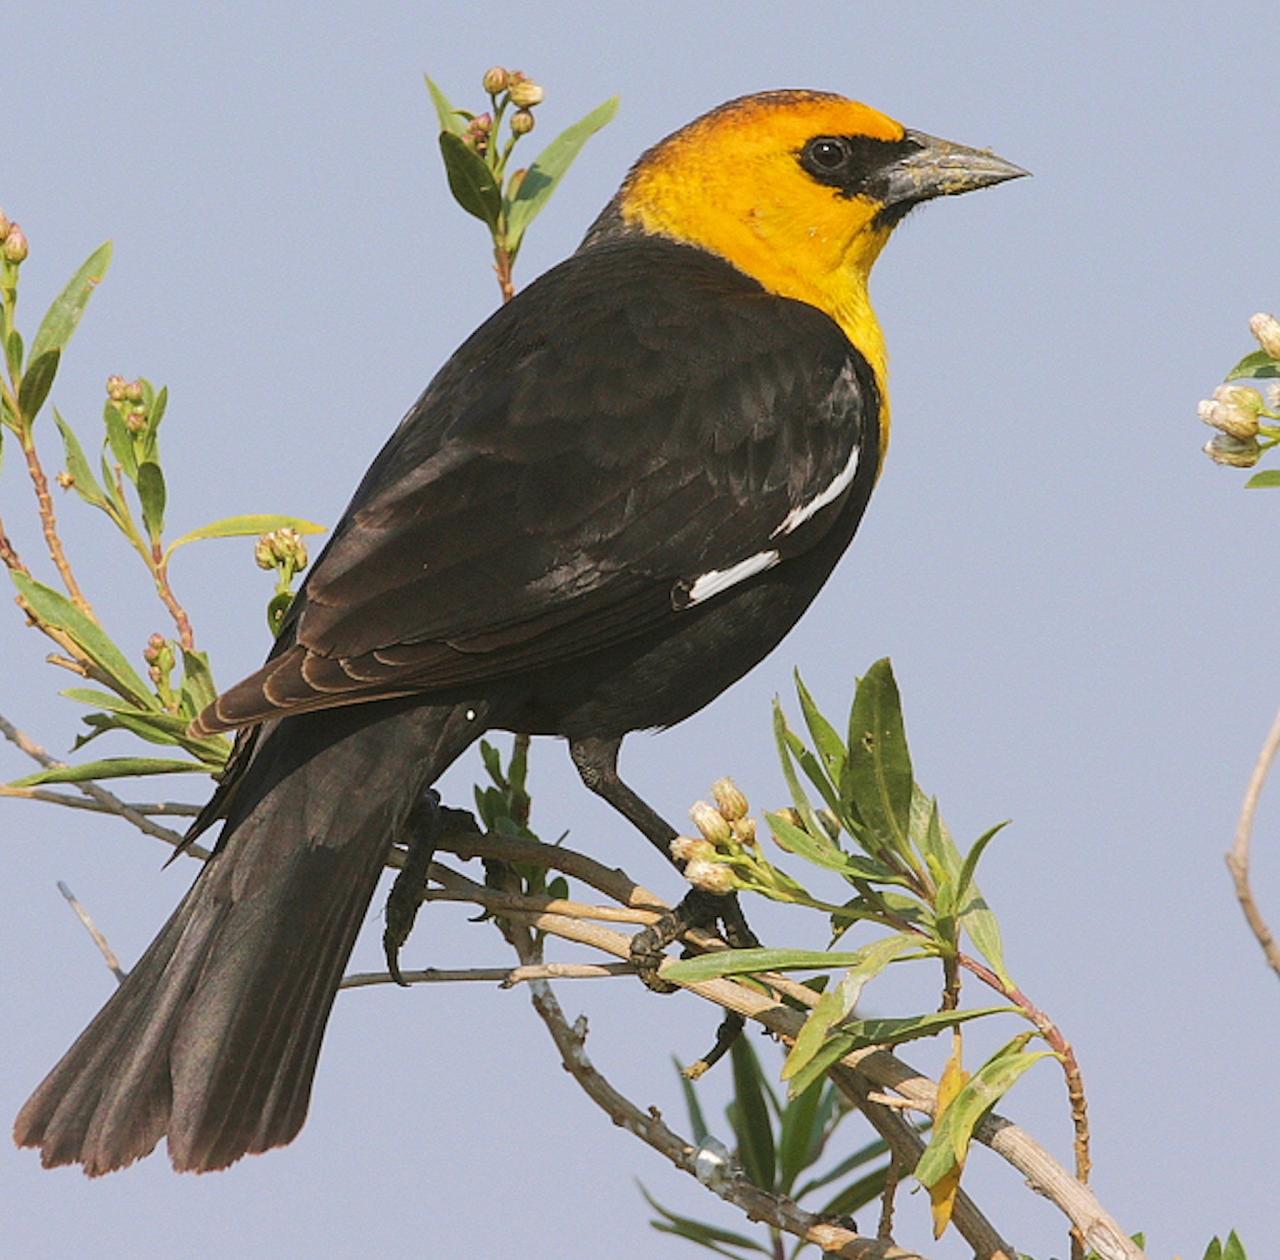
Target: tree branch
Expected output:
[1238,856]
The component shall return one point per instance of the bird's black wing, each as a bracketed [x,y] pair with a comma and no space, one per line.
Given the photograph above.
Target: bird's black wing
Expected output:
[640,428]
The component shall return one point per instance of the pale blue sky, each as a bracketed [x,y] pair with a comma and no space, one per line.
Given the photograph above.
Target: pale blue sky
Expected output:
[1076,601]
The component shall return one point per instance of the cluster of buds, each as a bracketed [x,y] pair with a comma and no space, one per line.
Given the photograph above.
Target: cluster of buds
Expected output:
[725,835]
[13,241]
[161,660]
[281,549]
[520,90]
[1267,330]
[128,398]
[478,132]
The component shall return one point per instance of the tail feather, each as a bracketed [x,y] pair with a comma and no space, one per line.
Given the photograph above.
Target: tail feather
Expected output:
[213,1037]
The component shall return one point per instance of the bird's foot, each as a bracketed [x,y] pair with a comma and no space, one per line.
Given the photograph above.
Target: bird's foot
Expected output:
[698,909]
[423,830]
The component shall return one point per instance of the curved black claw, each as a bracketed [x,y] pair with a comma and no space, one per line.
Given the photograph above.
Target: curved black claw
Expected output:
[698,909]
[405,897]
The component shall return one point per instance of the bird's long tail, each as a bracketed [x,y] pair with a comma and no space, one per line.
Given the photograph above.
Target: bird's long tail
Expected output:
[213,1037]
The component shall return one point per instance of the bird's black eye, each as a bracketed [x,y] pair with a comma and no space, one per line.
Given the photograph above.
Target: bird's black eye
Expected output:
[827,153]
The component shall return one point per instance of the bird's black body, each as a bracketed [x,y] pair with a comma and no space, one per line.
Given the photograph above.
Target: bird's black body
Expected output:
[616,497]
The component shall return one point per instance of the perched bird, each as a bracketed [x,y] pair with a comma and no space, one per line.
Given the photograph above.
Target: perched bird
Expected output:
[615,498]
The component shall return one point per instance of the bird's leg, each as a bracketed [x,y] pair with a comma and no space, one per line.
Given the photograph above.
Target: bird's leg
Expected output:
[422,830]
[596,760]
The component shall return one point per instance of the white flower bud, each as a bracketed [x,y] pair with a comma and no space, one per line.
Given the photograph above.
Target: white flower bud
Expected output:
[729,799]
[712,823]
[1267,330]
[688,849]
[1229,416]
[711,877]
[1233,452]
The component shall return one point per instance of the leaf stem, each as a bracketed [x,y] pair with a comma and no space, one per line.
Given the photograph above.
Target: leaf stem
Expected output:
[49,523]
[158,563]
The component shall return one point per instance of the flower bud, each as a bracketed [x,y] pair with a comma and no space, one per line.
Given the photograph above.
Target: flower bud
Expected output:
[523,91]
[279,548]
[1230,417]
[1273,396]
[744,830]
[15,248]
[1233,452]
[712,823]
[66,480]
[5,225]
[115,388]
[136,420]
[495,80]
[729,799]
[521,122]
[133,391]
[709,876]
[688,849]
[1267,330]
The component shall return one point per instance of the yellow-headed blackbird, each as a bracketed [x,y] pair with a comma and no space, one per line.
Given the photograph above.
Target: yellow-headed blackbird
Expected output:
[615,498]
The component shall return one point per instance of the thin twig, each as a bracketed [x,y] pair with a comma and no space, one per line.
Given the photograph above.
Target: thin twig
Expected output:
[1238,856]
[156,809]
[504,977]
[49,523]
[159,567]
[111,803]
[9,556]
[104,946]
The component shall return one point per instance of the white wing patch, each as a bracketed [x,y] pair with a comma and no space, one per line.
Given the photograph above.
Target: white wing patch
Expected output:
[798,515]
[718,580]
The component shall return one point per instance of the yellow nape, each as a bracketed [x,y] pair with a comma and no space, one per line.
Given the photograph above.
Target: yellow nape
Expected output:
[731,182]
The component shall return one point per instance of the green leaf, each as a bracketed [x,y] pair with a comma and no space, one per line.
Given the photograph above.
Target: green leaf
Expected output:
[1270,477]
[857,1195]
[37,380]
[244,526]
[470,180]
[893,1032]
[83,481]
[974,856]
[799,1136]
[62,317]
[835,1005]
[822,852]
[878,780]
[826,1056]
[13,353]
[697,1231]
[110,768]
[198,688]
[799,798]
[873,1150]
[549,168]
[155,728]
[59,612]
[1255,365]
[120,440]
[151,494]
[450,119]
[979,920]
[740,962]
[826,738]
[751,1122]
[697,1121]
[953,1130]
[1234,1250]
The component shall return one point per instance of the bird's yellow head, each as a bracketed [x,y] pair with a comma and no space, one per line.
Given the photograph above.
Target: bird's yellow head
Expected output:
[800,190]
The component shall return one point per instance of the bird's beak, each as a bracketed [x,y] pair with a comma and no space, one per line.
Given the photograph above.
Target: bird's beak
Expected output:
[939,168]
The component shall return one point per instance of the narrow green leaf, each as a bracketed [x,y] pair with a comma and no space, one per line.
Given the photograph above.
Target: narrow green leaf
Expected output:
[470,180]
[245,526]
[111,768]
[63,316]
[826,739]
[151,494]
[1214,1250]
[878,779]
[83,481]
[857,1195]
[155,728]
[1257,364]
[799,1136]
[60,612]
[953,1130]
[873,1150]
[37,380]
[799,798]
[816,772]
[1270,477]
[979,920]
[752,1126]
[697,1121]
[741,962]
[698,1231]
[157,408]
[198,686]
[895,1031]
[826,1056]
[822,852]
[549,168]
[837,1004]
[13,353]
[1234,1250]
[120,440]
[450,119]
[974,856]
